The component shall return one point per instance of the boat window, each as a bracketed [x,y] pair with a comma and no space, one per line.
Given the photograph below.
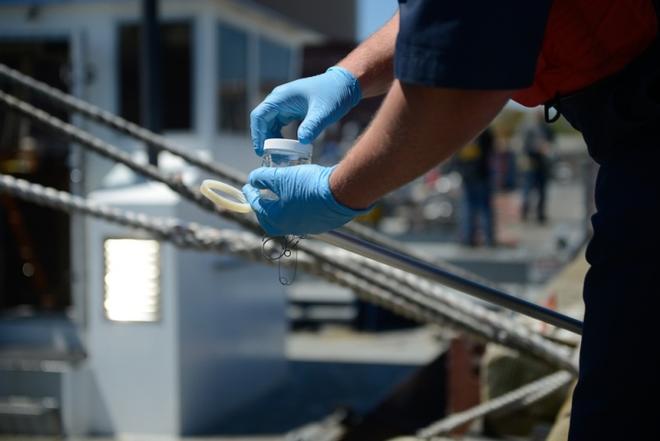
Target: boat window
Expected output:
[275,65]
[176,80]
[232,81]
[35,263]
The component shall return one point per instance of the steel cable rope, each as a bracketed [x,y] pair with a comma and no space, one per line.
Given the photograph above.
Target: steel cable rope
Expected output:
[187,235]
[192,235]
[374,236]
[95,113]
[102,116]
[516,337]
[502,405]
[506,403]
[120,124]
[109,151]
[430,272]
[479,326]
[488,323]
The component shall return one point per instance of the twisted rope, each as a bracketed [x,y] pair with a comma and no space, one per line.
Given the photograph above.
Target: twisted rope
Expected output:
[465,315]
[102,116]
[189,235]
[508,402]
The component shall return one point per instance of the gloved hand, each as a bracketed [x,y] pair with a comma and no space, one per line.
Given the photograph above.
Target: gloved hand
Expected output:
[319,101]
[306,204]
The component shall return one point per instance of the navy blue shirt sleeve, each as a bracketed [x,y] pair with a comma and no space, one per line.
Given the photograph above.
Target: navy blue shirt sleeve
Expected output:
[470,44]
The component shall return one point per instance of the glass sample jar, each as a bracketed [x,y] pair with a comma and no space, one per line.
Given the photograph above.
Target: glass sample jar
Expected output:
[280,152]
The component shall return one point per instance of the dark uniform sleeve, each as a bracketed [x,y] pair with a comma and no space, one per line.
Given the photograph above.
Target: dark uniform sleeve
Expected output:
[470,44]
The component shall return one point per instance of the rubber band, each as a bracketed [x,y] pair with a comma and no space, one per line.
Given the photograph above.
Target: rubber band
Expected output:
[209,188]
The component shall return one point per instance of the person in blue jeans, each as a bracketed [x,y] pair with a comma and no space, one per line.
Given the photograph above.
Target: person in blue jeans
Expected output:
[537,139]
[473,162]
[447,69]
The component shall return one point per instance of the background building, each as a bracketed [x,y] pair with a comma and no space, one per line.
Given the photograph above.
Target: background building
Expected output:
[59,339]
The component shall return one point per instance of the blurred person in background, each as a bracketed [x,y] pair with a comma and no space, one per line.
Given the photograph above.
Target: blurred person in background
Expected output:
[537,143]
[505,168]
[448,68]
[473,162]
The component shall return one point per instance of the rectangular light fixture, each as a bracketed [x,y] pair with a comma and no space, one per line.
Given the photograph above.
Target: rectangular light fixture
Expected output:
[131,280]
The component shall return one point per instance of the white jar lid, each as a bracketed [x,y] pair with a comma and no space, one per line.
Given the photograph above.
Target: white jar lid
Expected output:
[288,145]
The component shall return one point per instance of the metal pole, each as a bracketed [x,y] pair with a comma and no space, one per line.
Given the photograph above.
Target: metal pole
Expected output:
[427,270]
[150,73]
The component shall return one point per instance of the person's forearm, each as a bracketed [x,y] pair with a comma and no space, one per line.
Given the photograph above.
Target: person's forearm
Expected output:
[415,129]
[371,62]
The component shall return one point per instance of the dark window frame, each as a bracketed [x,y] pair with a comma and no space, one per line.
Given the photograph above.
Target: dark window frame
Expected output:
[192,30]
[253,80]
[53,170]
[261,80]
[249,36]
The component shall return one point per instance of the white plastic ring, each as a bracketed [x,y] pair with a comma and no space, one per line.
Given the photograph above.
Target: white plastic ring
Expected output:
[209,185]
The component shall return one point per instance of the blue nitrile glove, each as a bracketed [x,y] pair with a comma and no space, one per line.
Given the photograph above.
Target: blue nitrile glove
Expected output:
[319,101]
[306,204]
